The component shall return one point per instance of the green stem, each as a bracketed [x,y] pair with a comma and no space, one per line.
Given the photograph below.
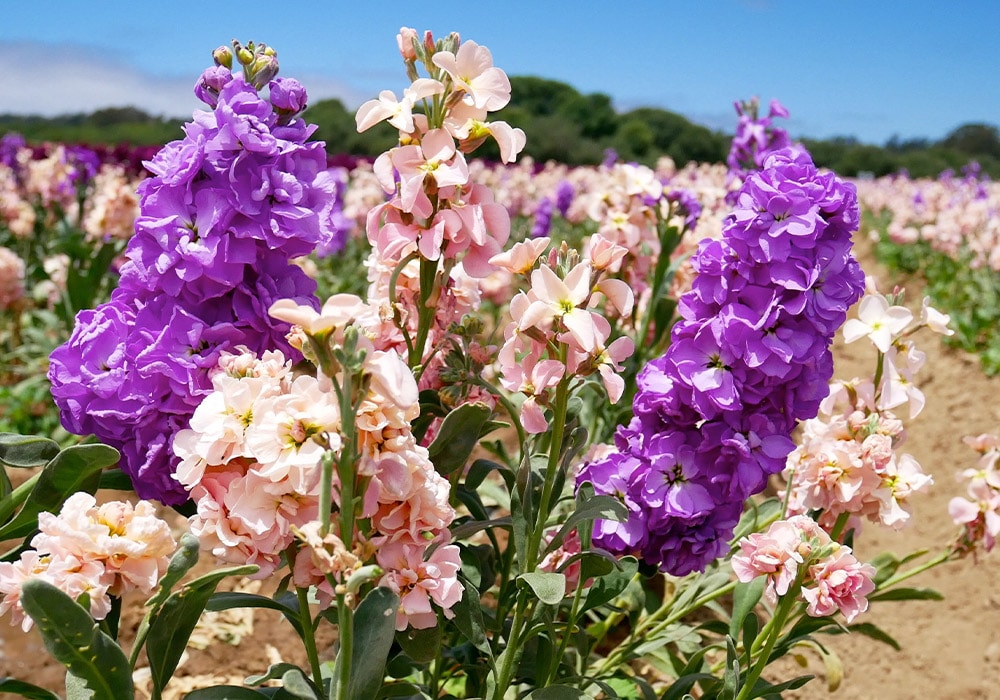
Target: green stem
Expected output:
[345,631]
[909,573]
[773,631]
[308,638]
[425,314]
[512,652]
[646,629]
[559,410]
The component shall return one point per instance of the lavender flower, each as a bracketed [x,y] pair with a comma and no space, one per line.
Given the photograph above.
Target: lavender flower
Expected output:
[749,358]
[227,207]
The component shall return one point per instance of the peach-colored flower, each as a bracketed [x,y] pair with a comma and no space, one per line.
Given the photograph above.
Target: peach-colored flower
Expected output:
[419,582]
[841,582]
[399,113]
[473,73]
[522,256]
[878,321]
[435,158]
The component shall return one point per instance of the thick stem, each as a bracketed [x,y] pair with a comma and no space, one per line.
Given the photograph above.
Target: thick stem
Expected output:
[555,452]
[345,631]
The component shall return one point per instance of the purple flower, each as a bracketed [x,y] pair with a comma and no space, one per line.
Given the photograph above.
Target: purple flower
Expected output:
[225,210]
[712,418]
[564,197]
[288,96]
[543,218]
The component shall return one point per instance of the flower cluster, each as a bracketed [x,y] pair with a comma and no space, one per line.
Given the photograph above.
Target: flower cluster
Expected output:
[846,463]
[435,213]
[228,206]
[253,462]
[797,554]
[979,514]
[749,358]
[101,551]
[553,333]
[755,139]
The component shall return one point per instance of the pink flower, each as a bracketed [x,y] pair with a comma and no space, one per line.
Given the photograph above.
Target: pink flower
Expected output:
[435,158]
[774,554]
[420,583]
[473,73]
[555,299]
[399,113]
[841,583]
[522,256]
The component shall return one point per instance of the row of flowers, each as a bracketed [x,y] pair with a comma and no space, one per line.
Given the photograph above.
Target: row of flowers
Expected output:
[433,459]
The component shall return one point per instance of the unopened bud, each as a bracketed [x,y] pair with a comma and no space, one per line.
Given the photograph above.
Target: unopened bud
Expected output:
[407,40]
[362,576]
[223,57]
[243,54]
[263,70]
[429,43]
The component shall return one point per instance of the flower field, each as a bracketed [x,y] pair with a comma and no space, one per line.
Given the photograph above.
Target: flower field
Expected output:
[434,427]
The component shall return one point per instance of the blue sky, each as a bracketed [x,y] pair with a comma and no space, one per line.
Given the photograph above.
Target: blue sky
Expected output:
[869,69]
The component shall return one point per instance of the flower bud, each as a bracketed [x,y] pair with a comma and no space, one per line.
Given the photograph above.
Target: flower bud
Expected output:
[263,69]
[243,54]
[407,40]
[223,57]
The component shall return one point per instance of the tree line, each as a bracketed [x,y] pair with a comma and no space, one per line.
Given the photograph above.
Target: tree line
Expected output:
[564,125]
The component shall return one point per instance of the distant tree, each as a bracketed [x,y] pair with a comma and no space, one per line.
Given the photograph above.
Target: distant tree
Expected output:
[974,140]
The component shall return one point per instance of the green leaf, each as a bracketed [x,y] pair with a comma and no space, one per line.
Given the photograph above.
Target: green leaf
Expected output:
[458,436]
[76,641]
[731,679]
[558,692]
[226,600]
[116,480]
[295,685]
[469,618]
[26,690]
[745,599]
[26,451]
[274,672]
[171,625]
[607,588]
[76,468]
[374,629]
[548,588]
[589,509]
[873,631]
[421,645]
[906,594]
[224,692]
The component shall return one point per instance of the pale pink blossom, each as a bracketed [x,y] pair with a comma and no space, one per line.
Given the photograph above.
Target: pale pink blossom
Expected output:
[399,113]
[556,299]
[419,583]
[522,256]
[407,40]
[841,583]
[11,278]
[934,319]
[435,158]
[774,554]
[472,72]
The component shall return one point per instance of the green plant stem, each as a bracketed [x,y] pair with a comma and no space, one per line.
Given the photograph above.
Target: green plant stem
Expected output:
[345,632]
[559,409]
[773,632]
[308,638]
[512,652]
[650,628]
[896,579]
[425,314]
[570,623]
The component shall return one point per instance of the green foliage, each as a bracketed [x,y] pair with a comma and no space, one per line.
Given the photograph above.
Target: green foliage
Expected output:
[970,294]
[75,640]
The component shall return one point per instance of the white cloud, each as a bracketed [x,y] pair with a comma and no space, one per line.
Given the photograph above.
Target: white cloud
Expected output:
[52,79]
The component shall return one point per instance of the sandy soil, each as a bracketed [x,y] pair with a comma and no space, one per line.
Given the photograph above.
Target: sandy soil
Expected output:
[951,648]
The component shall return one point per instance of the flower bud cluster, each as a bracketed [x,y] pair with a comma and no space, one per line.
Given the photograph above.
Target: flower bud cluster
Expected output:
[101,551]
[229,205]
[749,358]
[755,139]
[798,553]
